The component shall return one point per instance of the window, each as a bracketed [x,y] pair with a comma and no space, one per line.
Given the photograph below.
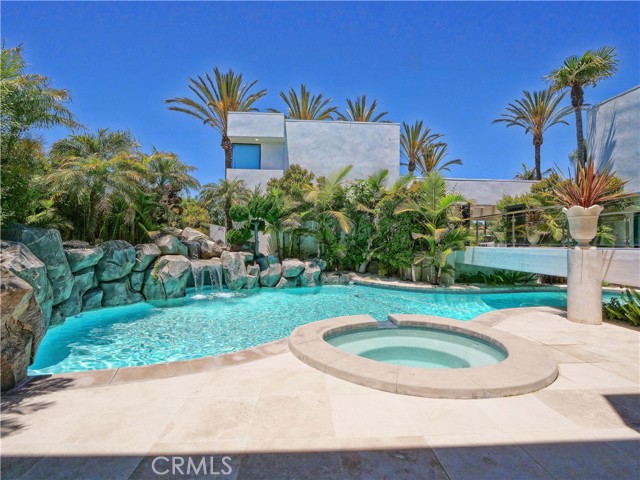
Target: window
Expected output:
[246,156]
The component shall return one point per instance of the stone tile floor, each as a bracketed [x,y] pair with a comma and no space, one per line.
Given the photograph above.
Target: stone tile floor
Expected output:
[276,418]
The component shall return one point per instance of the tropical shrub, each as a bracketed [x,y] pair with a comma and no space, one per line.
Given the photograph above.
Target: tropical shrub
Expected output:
[237,237]
[589,185]
[498,277]
[626,309]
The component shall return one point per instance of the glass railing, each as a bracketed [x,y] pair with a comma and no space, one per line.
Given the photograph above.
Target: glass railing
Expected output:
[548,227]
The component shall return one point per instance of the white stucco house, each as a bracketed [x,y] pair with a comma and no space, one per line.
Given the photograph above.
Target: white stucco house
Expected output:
[265,144]
[613,132]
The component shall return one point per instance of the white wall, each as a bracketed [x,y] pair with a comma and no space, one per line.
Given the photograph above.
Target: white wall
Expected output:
[253,178]
[613,132]
[252,125]
[323,147]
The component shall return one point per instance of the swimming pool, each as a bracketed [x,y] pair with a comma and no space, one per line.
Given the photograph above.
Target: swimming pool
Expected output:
[198,326]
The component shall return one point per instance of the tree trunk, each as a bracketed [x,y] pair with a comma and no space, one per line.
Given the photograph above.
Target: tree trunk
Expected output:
[577,100]
[256,239]
[228,150]
[537,142]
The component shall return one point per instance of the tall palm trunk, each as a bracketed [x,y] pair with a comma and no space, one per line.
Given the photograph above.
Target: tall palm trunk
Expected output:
[577,100]
[228,151]
[537,143]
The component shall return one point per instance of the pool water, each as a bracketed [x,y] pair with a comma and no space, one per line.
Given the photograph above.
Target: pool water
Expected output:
[419,347]
[213,324]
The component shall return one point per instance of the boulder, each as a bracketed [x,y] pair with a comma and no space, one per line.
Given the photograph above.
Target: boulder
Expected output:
[80,258]
[146,253]
[136,279]
[335,278]
[75,244]
[253,270]
[287,283]
[310,277]
[70,307]
[193,249]
[118,260]
[119,292]
[234,270]
[170,245]
[320,263]
[191,234]
[22,326]
[46,245]
[19,260]
[84,280]
[272,260]
[252,282]
[271,276]
[292,267]
[210,249]
[92,299]
[168,278]
[248,256]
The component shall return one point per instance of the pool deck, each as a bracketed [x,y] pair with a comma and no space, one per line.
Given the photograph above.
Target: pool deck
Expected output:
[278,418]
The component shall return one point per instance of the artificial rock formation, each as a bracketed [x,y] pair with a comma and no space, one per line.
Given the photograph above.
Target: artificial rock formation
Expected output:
[119,292]
[46,245]
[118,260]
[234,270]
[80,258]
[168,278]
[22,325]
[170,245]
[292,267]
[146,253]
[18,259]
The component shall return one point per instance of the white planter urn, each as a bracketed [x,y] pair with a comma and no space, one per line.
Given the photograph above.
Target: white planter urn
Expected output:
[534,237]
[583,223]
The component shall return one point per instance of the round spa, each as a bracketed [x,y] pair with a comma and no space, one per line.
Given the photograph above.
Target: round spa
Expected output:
[423,347]
[425,356]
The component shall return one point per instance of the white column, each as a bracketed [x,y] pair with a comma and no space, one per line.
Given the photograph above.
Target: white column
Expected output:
[584,285]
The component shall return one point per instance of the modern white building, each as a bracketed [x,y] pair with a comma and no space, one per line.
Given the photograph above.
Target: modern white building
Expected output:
[265,144]
[613,132]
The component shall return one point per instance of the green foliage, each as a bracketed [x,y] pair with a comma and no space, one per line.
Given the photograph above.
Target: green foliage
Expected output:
[358,111]
[441,231]
[220,197]
[293,182]
[194,215]
[499,277]
[626,309]
[238,236]
[305,106]
[589,185]
[213,99]
[239,213]
[27,102]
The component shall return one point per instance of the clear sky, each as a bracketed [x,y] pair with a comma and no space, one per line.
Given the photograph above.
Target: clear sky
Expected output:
[453,65]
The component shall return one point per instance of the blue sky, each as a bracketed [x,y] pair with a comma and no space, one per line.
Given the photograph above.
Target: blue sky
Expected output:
[453,65]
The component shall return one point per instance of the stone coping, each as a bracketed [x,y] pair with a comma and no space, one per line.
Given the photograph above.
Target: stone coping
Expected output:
[527,368]
[114,376]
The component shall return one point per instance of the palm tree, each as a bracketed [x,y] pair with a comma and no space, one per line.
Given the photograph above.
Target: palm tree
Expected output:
[536,113]
[436,209]
[93,172]
[219,197]
[358,111]
[166,170]
[413,142]
[306,106]
[529,173]
[579,72]
[433,159]
[214,99]
[321,209]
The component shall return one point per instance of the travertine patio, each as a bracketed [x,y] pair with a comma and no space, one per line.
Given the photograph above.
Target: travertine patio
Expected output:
[277,418]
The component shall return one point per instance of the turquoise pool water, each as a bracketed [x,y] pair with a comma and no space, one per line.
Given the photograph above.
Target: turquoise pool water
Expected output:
[419,347]
[198,326]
